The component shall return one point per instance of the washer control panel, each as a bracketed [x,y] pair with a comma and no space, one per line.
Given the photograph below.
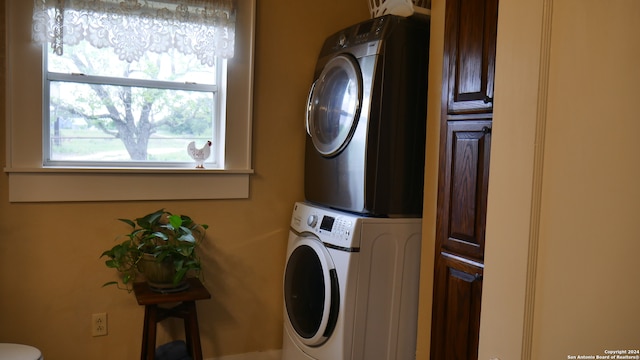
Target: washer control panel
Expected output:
[330,226]
[338,227]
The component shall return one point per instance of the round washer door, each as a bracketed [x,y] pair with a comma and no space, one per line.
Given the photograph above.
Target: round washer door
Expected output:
[311,292]
[334,105]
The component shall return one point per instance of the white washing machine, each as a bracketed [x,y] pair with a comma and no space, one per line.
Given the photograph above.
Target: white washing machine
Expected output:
[350,286]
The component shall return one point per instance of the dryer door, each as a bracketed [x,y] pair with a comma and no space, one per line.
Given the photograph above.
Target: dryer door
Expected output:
[311,293]
[334,105]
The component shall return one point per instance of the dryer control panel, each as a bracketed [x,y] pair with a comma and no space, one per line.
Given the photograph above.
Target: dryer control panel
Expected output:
[366,32]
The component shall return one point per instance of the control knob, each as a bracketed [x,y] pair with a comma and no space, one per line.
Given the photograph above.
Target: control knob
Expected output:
[312,220]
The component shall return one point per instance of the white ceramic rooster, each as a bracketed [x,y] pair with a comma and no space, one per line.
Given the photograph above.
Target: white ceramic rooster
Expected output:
[199,155]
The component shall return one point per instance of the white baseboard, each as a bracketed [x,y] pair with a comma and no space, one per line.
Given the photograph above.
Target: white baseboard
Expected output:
[261,355]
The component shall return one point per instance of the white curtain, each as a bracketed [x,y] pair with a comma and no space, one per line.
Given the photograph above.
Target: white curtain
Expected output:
[204,28]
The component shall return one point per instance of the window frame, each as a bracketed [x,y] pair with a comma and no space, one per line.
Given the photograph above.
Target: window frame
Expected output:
[30,181]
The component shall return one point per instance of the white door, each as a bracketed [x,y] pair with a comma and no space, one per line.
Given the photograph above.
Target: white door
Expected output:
[311,292]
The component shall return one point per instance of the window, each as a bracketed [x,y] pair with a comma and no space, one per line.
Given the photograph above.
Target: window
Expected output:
[56,169]
[107,112]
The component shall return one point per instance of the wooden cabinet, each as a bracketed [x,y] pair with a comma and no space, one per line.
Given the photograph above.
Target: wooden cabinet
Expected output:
[463,179]
[460,239]
[456,313]
[469,55]
[463,188]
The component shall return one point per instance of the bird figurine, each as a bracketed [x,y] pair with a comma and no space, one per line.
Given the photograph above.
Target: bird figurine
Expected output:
[199,155]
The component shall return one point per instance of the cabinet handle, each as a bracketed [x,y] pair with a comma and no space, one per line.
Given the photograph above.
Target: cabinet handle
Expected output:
[478,276]
[486,130]
[488,99]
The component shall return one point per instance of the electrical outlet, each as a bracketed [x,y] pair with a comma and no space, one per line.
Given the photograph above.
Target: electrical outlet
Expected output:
[99,324]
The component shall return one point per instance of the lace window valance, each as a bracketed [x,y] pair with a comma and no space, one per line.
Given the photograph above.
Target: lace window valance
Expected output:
[204,28]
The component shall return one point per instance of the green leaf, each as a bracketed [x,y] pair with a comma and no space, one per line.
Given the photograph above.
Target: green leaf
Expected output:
[178,264]
[175,221]
[185,250]
[161,256]
[179,276]
[160,235]
[188,238]
[128,222]
[127,278]
[150,220]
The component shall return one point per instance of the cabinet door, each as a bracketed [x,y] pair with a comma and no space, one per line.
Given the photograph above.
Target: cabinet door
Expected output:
[463,188]
[469,54]
[456,309]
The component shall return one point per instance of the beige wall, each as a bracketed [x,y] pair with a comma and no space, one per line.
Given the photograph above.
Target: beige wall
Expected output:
[591,188]
[50,271]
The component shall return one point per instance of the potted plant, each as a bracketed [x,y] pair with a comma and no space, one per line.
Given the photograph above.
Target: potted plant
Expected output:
[161,246]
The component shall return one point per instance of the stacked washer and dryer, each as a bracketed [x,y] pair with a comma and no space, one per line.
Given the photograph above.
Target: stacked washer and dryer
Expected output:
[353,256]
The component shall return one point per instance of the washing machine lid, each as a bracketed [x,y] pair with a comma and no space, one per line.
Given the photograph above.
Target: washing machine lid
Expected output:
[334,105]
[311,291]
